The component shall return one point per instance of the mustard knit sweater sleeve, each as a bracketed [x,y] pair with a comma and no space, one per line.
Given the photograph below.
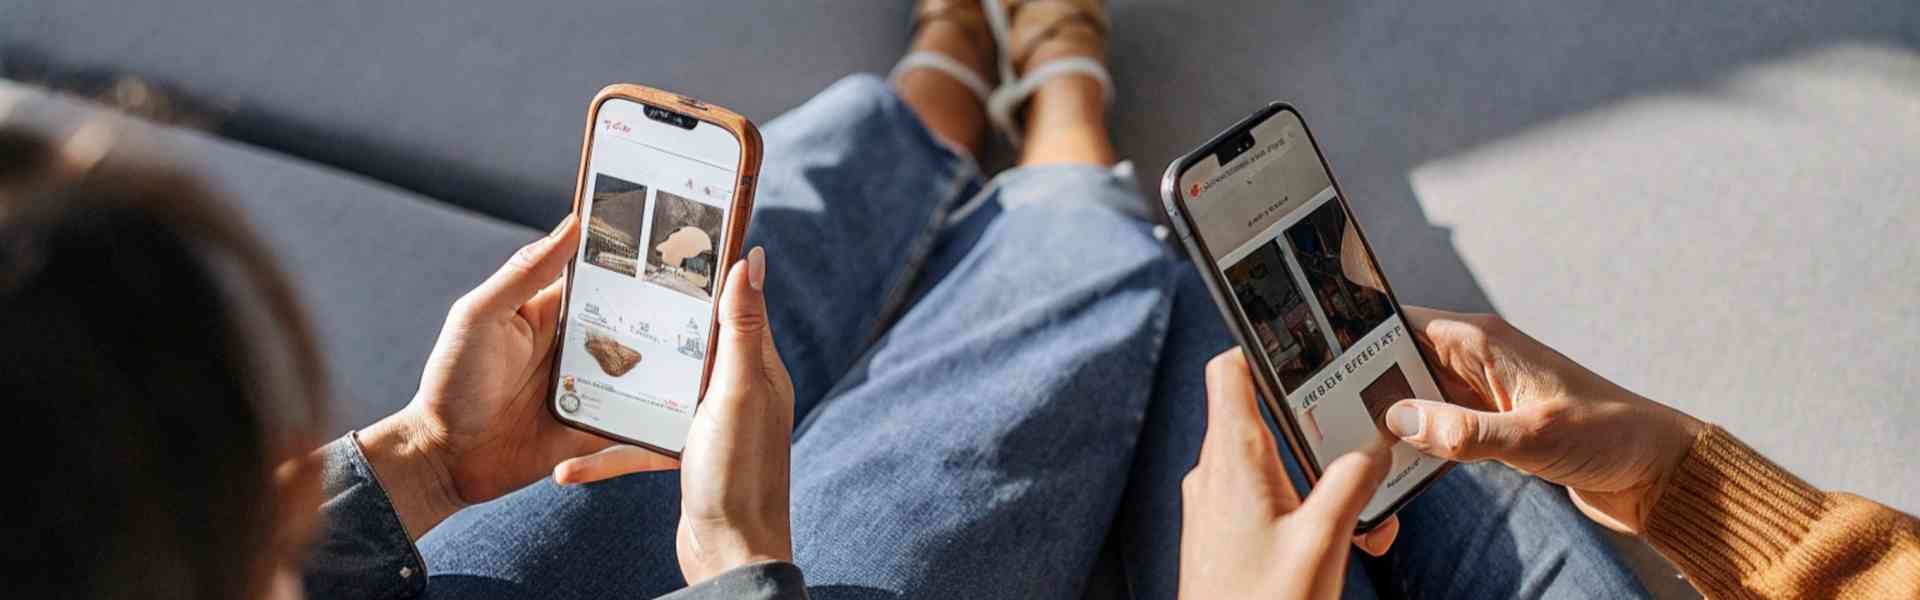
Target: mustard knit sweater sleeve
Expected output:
[1739,526]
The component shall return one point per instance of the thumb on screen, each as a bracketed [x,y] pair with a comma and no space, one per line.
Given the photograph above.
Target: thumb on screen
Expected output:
[1455,433]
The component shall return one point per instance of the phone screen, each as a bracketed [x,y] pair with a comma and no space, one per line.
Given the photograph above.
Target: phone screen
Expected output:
[640,305]
[1307,292]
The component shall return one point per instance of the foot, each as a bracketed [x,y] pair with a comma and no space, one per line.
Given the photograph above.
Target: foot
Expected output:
[1057,52]
[951,104]
[1042,31]
[956,29]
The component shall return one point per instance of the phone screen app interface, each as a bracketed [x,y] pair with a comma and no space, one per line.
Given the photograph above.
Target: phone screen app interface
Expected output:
[637,320]
[1308,290]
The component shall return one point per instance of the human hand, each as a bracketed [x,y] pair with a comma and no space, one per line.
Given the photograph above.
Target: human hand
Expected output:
[1244,531]
[478,427]
[734,480]
[1538,411]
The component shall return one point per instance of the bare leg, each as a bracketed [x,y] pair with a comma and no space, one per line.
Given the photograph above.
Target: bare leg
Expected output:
[1067,116]
[944,105]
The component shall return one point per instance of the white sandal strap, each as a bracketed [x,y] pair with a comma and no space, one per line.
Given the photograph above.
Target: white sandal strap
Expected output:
[1006,101]
[1001,27]
[922,59]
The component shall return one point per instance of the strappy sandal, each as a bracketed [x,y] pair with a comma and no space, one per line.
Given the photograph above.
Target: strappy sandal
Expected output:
[969,15]
[1019,27]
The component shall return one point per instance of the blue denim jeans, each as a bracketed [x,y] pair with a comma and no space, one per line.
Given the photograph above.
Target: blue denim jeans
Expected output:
[983,371]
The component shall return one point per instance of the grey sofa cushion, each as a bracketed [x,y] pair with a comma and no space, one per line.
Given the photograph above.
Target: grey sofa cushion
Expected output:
[376,267]
[480,104]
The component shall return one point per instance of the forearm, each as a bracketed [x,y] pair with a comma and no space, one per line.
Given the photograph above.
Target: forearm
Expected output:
[1740,526]
[415,478]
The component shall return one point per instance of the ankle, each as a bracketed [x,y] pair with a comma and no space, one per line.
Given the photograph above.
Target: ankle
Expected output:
[945,103]
[1066,117]
[1070,40]
[1073,100]
[1074,96]
[973,49]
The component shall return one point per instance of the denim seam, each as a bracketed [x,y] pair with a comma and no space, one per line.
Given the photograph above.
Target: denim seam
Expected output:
[961,170]
[898,296]
[918,252]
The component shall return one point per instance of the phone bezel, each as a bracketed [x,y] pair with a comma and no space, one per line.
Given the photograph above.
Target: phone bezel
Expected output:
[1174,201]
[746,171]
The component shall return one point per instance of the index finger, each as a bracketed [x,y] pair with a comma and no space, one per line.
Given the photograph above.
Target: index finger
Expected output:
[1457,379]
[1345,487]
[530,268]
[612,462]
[1419,317]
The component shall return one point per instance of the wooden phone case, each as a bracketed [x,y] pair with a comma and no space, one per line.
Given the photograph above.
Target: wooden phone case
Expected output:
[746,174]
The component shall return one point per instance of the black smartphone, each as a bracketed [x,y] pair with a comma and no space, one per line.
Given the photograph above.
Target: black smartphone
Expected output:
[1260,214]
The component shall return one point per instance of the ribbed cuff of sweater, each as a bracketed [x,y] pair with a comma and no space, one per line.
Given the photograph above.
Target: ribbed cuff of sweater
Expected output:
[1729,513]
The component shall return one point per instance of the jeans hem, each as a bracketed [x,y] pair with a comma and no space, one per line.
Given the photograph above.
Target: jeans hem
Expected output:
[1114,187]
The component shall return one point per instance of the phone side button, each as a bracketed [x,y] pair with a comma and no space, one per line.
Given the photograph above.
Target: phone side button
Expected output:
[1180,227]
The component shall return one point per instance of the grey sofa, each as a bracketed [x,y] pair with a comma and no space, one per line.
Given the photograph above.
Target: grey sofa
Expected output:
[1713,202]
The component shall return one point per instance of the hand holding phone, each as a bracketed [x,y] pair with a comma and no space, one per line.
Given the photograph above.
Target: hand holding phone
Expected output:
[664,341]
[1260,214]
[1535,410]
[475,430]
[734,485]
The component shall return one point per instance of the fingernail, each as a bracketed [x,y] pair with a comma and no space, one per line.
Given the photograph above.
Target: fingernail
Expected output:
[1404,420]
[757,268]
[557,229]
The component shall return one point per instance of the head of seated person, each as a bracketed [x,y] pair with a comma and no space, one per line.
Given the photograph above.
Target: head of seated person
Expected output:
[163,386]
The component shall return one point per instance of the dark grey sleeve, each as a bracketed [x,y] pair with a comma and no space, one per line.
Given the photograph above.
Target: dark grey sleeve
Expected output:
[771,580]
[365,551]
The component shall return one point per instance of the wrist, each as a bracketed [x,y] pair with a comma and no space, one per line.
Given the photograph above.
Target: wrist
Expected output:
[413,471]
[1674,433]
[711,549]
[1681,429]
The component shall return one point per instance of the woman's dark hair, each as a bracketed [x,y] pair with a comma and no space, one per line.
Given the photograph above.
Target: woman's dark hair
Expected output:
[156,371]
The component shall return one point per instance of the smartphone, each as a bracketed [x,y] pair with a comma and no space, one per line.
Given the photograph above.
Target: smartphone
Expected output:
[663,197]
[1259,212]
